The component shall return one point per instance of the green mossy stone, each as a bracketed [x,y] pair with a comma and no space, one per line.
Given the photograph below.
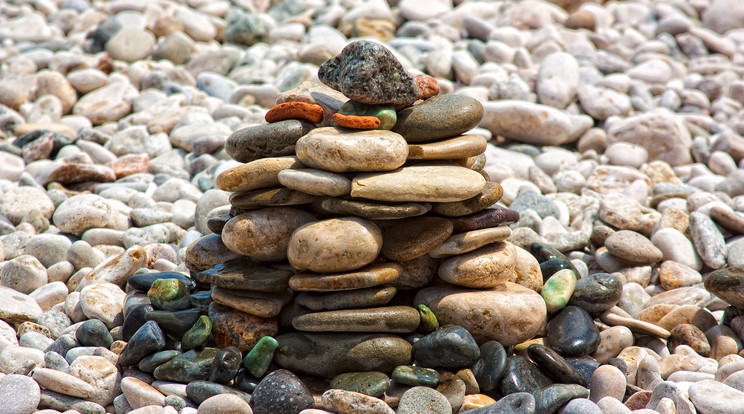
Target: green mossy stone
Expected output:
[429,321]
[258,359]
[385,113]
[187,367]
[198,333]
[372,383]
[558,289]
[169,295]
[415,376]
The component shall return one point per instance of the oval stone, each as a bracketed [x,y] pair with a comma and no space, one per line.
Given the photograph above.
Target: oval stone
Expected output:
[264,234]
[486,267]
[335,245]
[453,148]
[339,150]
[490,194]
[271,140]
[316,182]
[372,275]
[508,313]
[441,116]
[596,293]
[424,182]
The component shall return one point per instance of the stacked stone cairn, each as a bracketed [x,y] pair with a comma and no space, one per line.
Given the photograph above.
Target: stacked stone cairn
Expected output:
[360,211]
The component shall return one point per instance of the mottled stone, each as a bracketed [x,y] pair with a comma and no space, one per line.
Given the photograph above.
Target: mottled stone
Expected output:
[189,366]
[239,329]
[367,72]
[727,284]
[246,274]
[258,359]
[353,299]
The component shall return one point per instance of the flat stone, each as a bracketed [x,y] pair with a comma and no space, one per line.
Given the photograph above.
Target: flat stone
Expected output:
[330,354]
[208,252]
[633,247]
[453,148]
[74,173]
[63,383]
[408,239]
[353,299]
[383,115]
[508,313]
[715,397]
[372,275]
[187,367]
[708,240]
[264,234]
[372,210]
[344,150]
[263,304]
[370,383]
[466,242]
[269,197]
[490,217]
[486,267]
[262,173]
[271,140]
[368,72]
[342,401]
[394,319]
[334,245]
[490,194]
[316,182]
[295,110]
[431,183]
[246,274]
[439,117]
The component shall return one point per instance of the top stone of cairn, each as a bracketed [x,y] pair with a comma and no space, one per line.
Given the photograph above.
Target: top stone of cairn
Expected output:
[368,72]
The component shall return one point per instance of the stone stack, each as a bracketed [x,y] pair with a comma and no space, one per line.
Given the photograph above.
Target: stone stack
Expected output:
[350,209]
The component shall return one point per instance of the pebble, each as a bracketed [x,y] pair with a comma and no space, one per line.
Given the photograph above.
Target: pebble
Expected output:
[281,392]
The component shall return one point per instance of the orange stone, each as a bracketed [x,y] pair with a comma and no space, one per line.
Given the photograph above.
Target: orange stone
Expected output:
[473,401]
[356,121]
[428,86]
[295,110]
[129,164]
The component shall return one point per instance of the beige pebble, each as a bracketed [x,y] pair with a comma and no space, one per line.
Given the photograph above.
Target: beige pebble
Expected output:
[612,341]
[486,267]
[103,301]
[607,381]
[224,404]
[337,150]
[334,245]
[256,174]
[458,147]
[141,394]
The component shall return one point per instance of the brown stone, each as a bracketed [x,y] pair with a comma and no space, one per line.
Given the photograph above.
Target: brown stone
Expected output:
[262,304]
[417,273]
[408,239]
[673,275]
[129,164]
[264,234]
[728,219]
[352,299]
[356,121]
[490,194]
[428,86]
[334,245]
[245,273]
[373,275]
[231,327]
[373,210]
[490,217]
[79,173]
[690,335]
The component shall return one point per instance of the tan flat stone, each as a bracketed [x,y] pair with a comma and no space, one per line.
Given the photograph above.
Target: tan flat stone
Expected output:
[270,197]
[352,299]
[424,182]
[393,319]
[373,275]
[467,242]
[317,182]
[257,174]
[341,150]
[262,304]
[490,194]
[334,245]
[486,267]
[459,147]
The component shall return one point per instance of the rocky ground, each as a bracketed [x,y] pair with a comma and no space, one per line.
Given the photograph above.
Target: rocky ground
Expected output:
[614,130]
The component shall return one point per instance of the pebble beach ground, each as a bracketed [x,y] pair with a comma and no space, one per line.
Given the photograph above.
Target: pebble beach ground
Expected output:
[608,278]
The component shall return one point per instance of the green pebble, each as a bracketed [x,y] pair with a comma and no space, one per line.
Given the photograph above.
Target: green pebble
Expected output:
[415,376]
[371,383]
[429,321]
[558,289]
[385,113]
[198,333]
[258,359]
[169,295]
